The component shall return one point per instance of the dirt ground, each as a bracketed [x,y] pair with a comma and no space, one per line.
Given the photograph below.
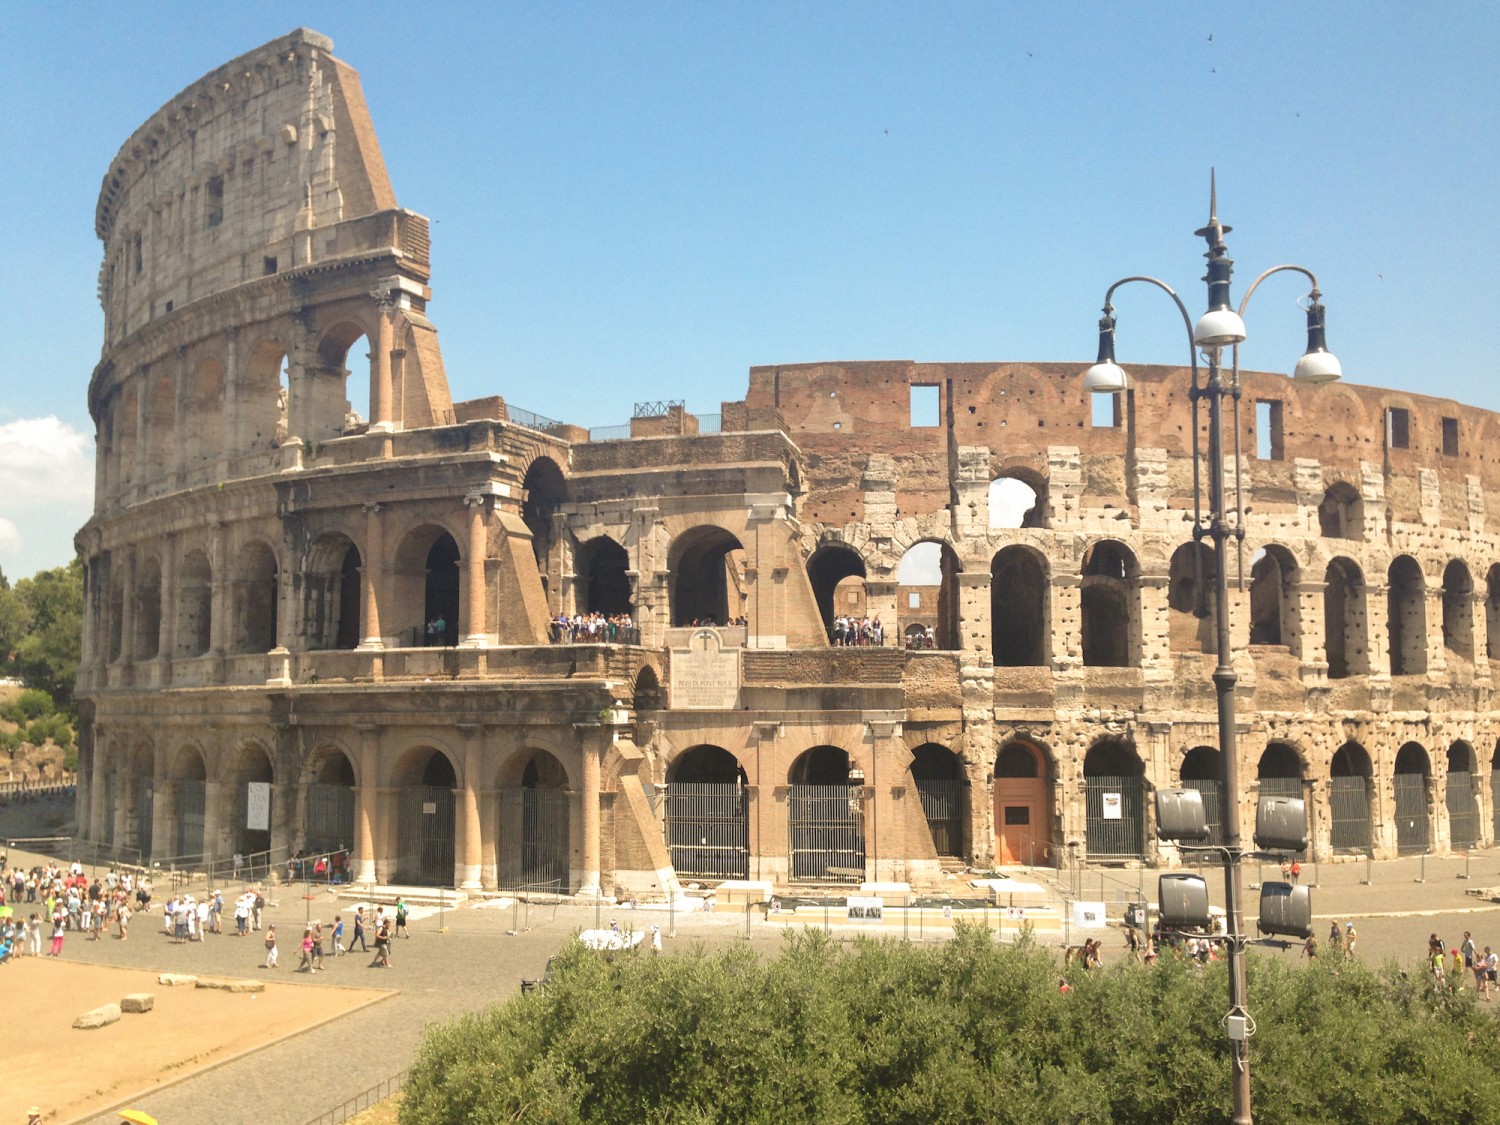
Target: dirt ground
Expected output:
[71,1074]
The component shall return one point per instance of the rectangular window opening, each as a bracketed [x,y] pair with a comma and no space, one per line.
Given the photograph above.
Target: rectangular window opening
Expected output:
[1268,436]
[215,201]
[1104,412]
[1450,437]
[270,265]
[926,402]
[1397,428]
[913,601]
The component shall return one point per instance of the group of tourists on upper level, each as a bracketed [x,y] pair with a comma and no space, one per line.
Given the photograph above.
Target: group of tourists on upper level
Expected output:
[594,629]
[852,632]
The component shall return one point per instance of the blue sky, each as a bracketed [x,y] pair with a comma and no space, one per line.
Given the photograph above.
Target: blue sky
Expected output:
[639,201]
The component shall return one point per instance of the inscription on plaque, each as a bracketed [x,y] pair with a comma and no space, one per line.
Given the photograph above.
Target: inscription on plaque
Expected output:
[705,677]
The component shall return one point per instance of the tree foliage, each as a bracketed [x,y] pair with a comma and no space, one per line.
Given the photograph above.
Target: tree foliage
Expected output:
[968,1031]
[41,630]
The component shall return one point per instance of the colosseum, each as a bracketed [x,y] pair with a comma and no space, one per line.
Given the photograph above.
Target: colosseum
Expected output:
[873,622]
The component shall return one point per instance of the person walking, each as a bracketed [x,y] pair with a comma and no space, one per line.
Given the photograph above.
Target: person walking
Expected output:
[317,949]
[1467,948]
[359,931]
[338,935]
[655,938]
[271,946]
[34,935]
[59,928]
[401,930]
[383,944]
[307,949]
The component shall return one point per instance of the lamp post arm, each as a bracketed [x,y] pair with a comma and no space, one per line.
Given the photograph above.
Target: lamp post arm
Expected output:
[1303,270]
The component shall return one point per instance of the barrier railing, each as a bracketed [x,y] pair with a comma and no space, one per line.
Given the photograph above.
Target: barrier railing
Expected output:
[361,1102]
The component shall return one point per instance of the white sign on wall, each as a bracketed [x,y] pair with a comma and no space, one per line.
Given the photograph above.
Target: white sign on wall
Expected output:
[1113,807]
[705,675]
[258,806]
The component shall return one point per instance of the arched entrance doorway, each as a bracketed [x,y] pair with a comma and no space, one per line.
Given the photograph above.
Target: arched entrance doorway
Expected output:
[1018,608]
[140,801]
[1203,770]
[328,824]
[708,815]
[826,818]
[1349,798]
[190,793]
[829,566]
[1460,794]
[1413,830]
[603,580]
[535,845]
[424,819]
[1280,775]
[1114,795]
[936,773]
[251,781]
[1023,805]
[707,566]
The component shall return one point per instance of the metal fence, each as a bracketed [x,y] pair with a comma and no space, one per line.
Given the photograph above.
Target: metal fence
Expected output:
[708,829]
[1349,813]
[827,825]
[1213,805]
[330,817]
[1411,813]
[1463,810]
[1115,827]
[192,807]
[942,806]
[424,836]
[361,1102]
[533,838]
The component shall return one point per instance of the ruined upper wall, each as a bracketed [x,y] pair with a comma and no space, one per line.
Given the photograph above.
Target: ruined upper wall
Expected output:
[215,188]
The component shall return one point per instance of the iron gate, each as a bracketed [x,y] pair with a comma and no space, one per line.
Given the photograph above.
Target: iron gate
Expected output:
[329,819]
[1213,805]
[534,846]
[1411,813]
[192,805]
[1463,810]
[1287,787]
[941,805]
[827,825]
[145,815]
[1115,826]
[708,829]
[1349,813]
[424,836]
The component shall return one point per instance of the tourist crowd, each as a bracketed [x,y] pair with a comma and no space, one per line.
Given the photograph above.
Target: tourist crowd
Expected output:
[851,632]
[66,900]
[593,629]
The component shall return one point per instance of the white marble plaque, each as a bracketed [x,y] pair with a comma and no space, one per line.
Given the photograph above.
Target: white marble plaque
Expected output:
[705,676]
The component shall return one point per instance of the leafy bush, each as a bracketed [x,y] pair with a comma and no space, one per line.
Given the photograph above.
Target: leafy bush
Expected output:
[968,1031]
[33,704]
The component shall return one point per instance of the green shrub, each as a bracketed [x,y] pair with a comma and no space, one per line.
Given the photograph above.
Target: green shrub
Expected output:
[33,704]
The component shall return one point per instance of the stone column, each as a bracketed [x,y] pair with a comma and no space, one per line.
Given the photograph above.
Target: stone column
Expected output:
[471,859]
[163,808]
[94,830]
[476,627]
[219,624]
[888,775]
[975,629]
[373,565]
[166,637]
[381,418]
[364,812]
[592,742]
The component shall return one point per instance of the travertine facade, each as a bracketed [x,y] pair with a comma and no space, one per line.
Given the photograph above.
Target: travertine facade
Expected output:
[351,618]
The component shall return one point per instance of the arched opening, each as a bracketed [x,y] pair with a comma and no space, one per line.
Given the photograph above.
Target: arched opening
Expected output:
[829,569]
[1407,617]
[543,492]
[647,694]
[331,592]
[161,427]
[1023,804]
[1341,513]
[250,783]
[927,594]
[1203,769]
[424,819]
[195,604]
[1111,606]
[938,778]
[601,567]
[140,800]
[535,825]
[1495,793]
[256,600]
[1114,796]
[1461,796]
[1018,608]
[1015,503]
[203,430]
[1458,616]
[1410,785]
[190,800]
[1492,613]
[335,396]
[1349,798]
[261,405]
[128,468]
[147,640]
[707,567]
[328,824]
[708,815]
[425,585]
[1344,620]
[826,817]
[115,622]
[1190,583]
[1280,774]
[1274,617]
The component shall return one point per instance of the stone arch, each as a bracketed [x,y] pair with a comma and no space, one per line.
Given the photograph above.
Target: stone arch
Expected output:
[828,569]
[1341,513]
[602,581]
[1458,609]
[1202,769]
[256,598]
[1461,796]
[1017,499]
[147,640]
[136,791]
[544,490]
[195,604]
[707,819]
[1275,609]
[332,593]
[1344,620]
[425,584]
[161,425]
[1410,779]
[938,777]
[115,615]
[203,425]
[330,801]
[535,844]
[189,784]
[332,393]
[1111,603]
[825,817]
[249,835]
[927,591]
[821,765]
[262,398]
[1190,583]
[425,778]
[128,462]
[1406,617]
[647,695]
[1023,803]
[1349,795]
[1115,801]
[707,568]
[1019,603]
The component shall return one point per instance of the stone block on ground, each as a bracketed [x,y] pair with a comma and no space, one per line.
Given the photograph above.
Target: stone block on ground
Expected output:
[100,1017]
[231,984]
[170,979]
[138,1002]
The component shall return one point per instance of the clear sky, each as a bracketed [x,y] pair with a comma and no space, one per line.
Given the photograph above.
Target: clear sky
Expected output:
[639,201]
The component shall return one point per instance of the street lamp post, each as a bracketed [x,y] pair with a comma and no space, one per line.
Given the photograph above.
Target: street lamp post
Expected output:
[1221,327]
